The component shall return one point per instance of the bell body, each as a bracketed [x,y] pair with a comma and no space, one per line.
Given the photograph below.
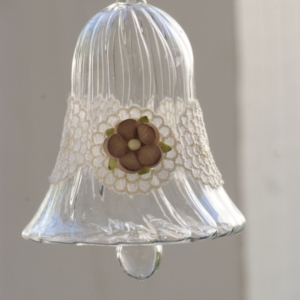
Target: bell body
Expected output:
[134,62]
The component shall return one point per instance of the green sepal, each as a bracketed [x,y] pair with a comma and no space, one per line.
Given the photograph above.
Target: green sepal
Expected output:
[112,164]
[144,170]
[164,147]
[143,120]
[110,131]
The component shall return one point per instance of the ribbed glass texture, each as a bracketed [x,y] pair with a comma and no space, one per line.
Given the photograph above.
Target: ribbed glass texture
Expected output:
[133,52]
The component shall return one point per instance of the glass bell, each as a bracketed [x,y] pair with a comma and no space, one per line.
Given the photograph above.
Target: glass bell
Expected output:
[134,169]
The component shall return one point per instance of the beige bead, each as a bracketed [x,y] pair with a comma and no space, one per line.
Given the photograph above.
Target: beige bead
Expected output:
[134,145]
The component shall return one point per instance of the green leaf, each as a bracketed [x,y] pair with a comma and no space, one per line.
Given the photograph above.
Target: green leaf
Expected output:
[143,120]
[144,170]
[164,147]
[110,131]
[112,164]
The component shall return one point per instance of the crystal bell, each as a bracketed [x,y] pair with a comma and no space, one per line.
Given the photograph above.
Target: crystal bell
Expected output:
[134,169]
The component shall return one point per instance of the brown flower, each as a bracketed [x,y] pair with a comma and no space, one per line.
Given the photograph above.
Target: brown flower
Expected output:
[134,146]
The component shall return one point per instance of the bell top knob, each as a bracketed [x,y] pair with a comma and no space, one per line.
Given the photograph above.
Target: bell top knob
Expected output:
[131,1]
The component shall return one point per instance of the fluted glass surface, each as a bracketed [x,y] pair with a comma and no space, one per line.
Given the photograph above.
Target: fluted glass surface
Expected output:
[133,52]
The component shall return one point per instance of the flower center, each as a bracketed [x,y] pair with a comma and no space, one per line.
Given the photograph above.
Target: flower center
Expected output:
[134,145]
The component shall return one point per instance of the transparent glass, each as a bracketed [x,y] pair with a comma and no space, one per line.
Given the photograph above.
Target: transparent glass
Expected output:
[139,262]
[133,52]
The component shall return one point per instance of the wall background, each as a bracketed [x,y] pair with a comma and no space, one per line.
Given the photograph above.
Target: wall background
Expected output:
[268,34]
[37,42]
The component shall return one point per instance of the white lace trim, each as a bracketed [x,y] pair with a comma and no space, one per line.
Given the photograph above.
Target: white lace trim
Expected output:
[195,150]
[84,133]
[169,109]
[74,142]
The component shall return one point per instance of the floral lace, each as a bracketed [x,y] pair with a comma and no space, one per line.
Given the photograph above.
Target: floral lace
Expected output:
[133,183]
[84,134]
[195,150]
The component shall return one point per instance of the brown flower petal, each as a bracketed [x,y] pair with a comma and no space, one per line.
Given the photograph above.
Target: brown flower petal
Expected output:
[129,163]
[127,129]
[149,156]
[148,134]
[115,146]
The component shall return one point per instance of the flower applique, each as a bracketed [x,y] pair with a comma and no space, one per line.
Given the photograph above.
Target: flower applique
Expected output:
[134,146]
[133,151]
